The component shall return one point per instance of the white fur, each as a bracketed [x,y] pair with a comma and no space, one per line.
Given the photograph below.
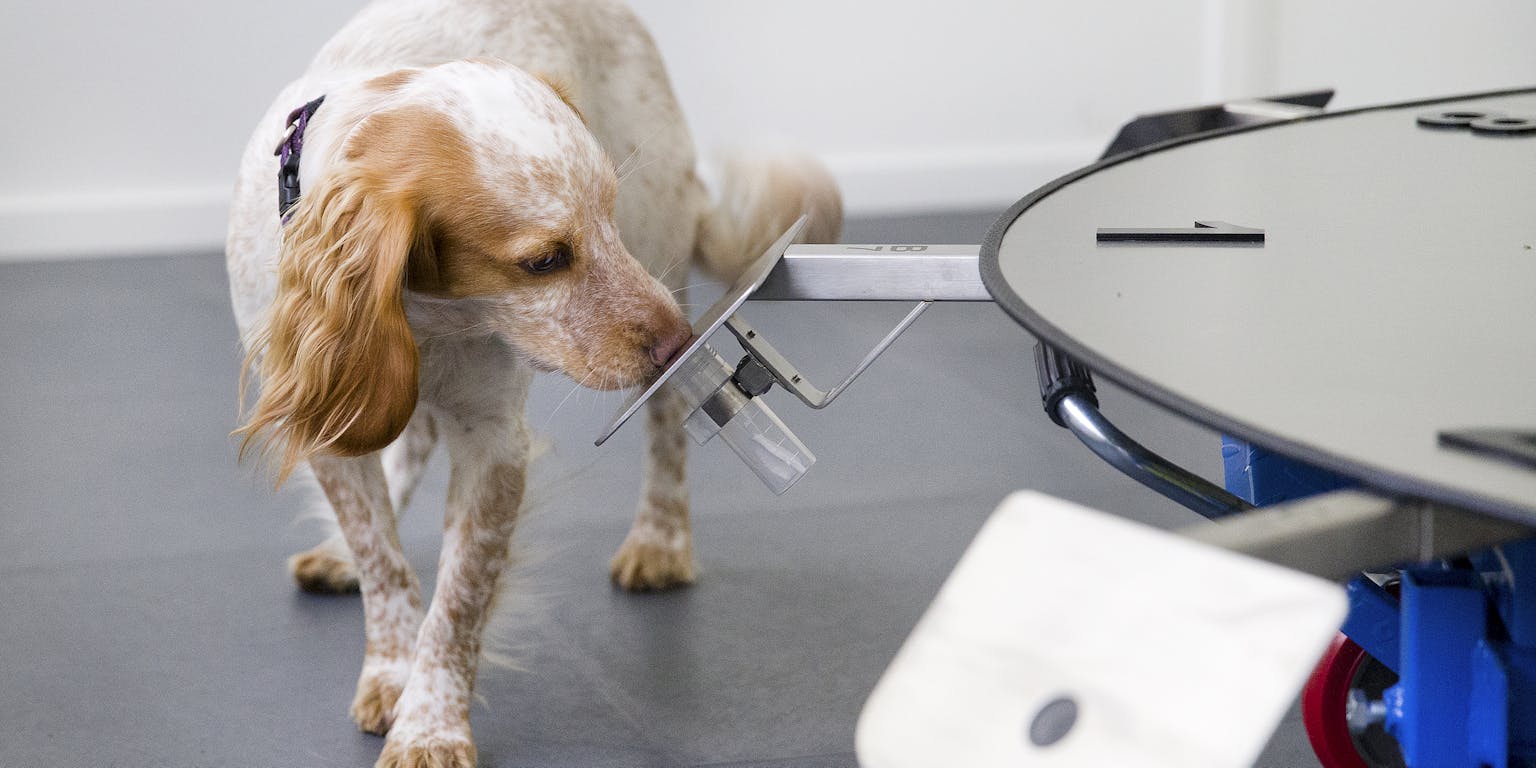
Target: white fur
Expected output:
[418,674]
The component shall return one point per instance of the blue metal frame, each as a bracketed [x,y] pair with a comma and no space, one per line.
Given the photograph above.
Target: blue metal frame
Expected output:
[1264,478]
[1374,621]
[1444,617]
[1467,693]
[1461,635]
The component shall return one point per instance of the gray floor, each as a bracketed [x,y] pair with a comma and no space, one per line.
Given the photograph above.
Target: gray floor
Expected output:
[148,619]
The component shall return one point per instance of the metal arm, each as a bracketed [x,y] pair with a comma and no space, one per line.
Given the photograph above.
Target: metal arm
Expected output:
[876,273]
[785,372]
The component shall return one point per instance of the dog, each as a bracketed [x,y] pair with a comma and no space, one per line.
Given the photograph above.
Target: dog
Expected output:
[452,221]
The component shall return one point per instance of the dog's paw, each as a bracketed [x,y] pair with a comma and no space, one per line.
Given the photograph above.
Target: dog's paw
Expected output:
[425,751]
[324,570]
[374,705]
[648,562]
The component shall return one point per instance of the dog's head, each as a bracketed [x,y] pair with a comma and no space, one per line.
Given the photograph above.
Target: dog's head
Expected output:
[474,183]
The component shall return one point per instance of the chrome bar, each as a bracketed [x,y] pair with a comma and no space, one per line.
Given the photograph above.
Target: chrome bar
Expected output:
[1105,439]
[876,273]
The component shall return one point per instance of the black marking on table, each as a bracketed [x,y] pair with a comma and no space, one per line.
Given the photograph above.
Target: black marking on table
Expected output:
[1518,446]
[1203,233]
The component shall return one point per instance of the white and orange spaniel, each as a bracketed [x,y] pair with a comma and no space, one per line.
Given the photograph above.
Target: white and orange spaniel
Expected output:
[460,224]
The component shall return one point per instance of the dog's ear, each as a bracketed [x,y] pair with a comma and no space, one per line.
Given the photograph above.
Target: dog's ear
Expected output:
[337,361]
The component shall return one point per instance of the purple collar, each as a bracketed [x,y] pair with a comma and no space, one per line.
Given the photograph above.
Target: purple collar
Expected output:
[288,157]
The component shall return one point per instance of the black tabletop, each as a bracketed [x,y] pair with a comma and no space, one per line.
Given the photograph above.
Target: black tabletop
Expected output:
[1385,327]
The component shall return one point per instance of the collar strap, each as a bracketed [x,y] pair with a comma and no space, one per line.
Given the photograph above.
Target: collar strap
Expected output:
[288,157]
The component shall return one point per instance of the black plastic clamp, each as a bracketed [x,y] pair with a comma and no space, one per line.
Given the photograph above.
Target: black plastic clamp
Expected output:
[1061,376]
[752,377]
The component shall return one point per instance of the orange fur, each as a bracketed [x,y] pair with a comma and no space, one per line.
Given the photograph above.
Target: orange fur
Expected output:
[337,360]
[405,207]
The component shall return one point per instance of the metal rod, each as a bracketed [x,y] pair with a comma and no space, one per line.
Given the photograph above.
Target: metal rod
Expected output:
[876,273]
[1142,465]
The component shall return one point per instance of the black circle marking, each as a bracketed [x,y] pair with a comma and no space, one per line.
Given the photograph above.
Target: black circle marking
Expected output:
[1053,722]
[1502,125]
[1454,118]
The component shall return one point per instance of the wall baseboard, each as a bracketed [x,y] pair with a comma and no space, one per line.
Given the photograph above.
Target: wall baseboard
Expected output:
[949,179]
[193,218]
[90,225]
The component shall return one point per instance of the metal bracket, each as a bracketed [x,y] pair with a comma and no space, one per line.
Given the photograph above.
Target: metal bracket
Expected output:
[790,378]
[725,401]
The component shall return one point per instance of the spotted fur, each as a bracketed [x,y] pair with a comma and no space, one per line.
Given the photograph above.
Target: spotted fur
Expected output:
[463,146]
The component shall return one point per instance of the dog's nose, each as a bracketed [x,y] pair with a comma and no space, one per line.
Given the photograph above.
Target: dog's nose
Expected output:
[670,344]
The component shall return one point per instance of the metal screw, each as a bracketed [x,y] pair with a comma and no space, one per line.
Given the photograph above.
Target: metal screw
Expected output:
[1361,712]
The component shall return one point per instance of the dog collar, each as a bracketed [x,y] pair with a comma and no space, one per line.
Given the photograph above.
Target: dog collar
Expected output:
[288,157]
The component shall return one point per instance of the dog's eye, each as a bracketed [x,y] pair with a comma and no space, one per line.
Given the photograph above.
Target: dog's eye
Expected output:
[555,258]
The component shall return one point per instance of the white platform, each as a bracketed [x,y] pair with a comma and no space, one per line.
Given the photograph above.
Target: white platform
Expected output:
[1174,653]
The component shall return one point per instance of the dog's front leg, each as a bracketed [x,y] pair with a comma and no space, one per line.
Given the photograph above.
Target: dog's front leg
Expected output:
[327,568]
[359,495]
[658,553]
[489,458]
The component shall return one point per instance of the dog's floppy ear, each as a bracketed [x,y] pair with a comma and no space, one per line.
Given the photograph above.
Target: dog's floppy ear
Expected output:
[337,361]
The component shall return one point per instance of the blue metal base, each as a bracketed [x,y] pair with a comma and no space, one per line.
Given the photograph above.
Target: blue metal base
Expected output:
[1467,691]
[1264,478]
[1461,635]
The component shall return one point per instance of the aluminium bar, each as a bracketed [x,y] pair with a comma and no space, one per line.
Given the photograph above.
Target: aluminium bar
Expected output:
[876,273]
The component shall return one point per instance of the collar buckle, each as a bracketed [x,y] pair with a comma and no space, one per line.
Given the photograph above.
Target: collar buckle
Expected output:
[287,152]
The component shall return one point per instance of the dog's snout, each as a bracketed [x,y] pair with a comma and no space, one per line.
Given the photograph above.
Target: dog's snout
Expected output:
[669,343]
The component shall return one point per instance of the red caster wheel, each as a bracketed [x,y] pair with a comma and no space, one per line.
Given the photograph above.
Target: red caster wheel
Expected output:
[1347,670]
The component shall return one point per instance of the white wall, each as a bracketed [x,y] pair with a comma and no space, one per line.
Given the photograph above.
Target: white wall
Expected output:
[124,119]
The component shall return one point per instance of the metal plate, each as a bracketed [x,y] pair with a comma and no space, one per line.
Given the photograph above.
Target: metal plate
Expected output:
[710,322]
